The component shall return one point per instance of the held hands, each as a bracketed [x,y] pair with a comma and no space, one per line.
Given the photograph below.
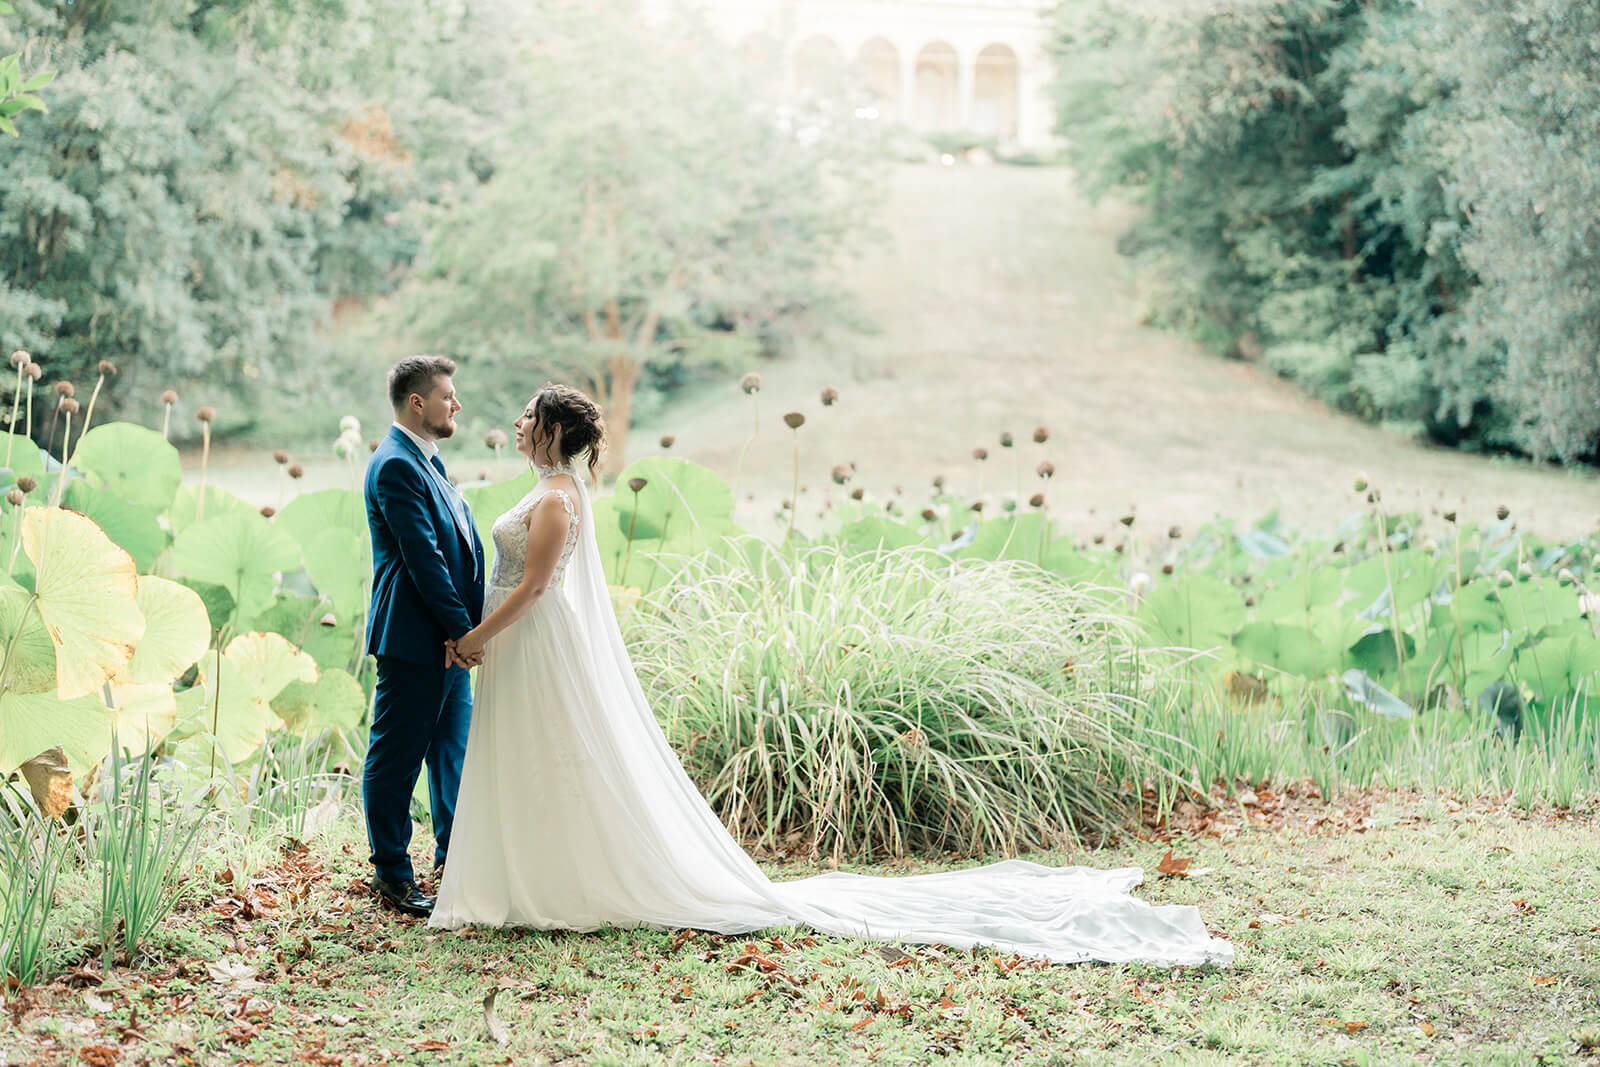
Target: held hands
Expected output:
[467,651]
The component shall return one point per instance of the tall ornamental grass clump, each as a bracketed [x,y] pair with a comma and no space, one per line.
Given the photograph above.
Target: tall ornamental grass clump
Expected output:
[891,701]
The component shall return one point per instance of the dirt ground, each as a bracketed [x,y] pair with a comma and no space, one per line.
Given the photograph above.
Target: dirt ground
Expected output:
[1003,305]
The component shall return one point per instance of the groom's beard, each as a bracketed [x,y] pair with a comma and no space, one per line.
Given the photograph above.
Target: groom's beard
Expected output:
[440,430]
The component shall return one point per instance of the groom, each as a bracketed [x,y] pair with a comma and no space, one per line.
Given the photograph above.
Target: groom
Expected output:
[427,589]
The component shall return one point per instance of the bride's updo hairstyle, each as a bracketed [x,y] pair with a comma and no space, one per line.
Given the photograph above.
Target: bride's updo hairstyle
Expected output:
[582,428]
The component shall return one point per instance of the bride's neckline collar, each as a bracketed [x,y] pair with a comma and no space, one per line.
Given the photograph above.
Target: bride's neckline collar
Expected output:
[562,468]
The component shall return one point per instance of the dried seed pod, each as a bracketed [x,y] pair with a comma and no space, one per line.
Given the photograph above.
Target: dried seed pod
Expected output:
[328,620]
[928,514]
[667,440]
[830,396]
[1100,539]
[794,420]
[69,405]
[841,474]
[496,438]
[280,457]
[27,484]
[372,446]
[1006,440]
[1502,512]
[1175,532]
[107,368]
[65,389]
[750,382]
[857,493]
[297,472]
[637,484]
[977,505]
[1041,434]
[34,371]
[1045,470]
[267,511]
[980,454]
[1036,500]
[20,358]
[169,397]
[1166,568]
[1126,520]
[15,498]
[1450,516]
[206,414]
[1361,483]
[938,481]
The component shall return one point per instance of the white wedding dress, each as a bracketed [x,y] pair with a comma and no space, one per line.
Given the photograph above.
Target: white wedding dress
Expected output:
[574,813]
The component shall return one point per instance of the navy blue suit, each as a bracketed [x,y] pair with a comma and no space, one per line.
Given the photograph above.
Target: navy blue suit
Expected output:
[427,586]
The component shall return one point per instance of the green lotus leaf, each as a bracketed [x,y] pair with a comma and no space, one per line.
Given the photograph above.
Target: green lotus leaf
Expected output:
[31,723]
[1488,658]
[186,510]
[1416,575]
[1022,537]
[338,564]
[1560,663]
[242,553]
[1287,647]
[1538,604]
[25,458]
[299,619]
[869,535]
[218,601]
[1194,612]
[133,463]
[88,597]
[489,502]
[32,665]
[142,715]
[1294,600]
[177,632]
[136,527]
[1375,653]
[1360,687]
[683,504]
[309,515]
[336,700]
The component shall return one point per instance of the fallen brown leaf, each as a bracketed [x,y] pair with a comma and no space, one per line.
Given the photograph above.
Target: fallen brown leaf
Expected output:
[1172,867]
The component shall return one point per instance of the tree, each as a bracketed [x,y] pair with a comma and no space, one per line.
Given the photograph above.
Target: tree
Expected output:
[656,208]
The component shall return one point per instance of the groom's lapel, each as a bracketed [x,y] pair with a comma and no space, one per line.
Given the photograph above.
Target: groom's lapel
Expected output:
[456,507]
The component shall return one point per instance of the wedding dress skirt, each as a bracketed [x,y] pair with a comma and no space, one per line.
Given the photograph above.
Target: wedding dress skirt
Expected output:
[574,813]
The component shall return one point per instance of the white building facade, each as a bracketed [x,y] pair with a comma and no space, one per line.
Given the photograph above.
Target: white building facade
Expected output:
[970,66]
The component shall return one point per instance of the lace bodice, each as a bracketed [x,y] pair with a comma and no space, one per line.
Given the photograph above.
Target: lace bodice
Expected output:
[510,533]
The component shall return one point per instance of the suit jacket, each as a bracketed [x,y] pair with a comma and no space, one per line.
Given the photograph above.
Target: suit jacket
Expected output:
[427,561]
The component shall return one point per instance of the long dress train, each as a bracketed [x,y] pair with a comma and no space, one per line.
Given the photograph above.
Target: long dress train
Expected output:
[575,813]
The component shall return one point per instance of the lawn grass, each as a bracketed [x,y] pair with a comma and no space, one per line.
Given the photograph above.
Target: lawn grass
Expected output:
[1392,929]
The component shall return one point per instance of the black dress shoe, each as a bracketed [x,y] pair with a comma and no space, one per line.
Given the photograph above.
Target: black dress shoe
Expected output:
[403,897]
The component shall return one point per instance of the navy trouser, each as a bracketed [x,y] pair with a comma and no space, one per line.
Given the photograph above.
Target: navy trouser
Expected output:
[420,716]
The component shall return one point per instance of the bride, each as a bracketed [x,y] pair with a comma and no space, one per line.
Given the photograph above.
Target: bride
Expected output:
[574,812]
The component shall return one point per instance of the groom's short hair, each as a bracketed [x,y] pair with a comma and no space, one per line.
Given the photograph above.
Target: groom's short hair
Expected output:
[416,374]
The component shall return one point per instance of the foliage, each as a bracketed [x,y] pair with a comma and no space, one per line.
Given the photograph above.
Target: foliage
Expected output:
[18,94]
[885,702]
[212,178]
[1371,198]
[31,856]
[654,208]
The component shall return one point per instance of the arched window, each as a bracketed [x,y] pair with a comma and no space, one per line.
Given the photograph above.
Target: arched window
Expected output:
[996,93]
[879,61]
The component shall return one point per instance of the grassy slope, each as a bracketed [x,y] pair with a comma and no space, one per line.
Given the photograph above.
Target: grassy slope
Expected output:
[1411,930]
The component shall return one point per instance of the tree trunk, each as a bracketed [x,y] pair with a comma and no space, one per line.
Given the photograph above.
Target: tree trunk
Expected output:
[622,376]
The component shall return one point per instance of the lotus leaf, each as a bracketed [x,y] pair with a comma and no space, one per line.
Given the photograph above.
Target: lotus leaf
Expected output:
[142,715]
[1359,687]
[1194,612]
[336,700]
[136,527]
[87,589]
[309,515]
[133,463]
[186,511]
[683,504]
[242,553]
[31,654]
[177,632]
[31,723]
[299,619]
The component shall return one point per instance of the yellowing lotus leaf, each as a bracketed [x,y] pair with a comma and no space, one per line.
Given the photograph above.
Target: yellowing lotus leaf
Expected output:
[268,662]
[337,700]
[232,712]
[142,715]
[31,723]
[177,632]
[88,597]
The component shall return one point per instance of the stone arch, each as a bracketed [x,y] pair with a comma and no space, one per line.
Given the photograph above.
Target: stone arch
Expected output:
[817,62]
[879,63]
[997,93]
[938,87]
